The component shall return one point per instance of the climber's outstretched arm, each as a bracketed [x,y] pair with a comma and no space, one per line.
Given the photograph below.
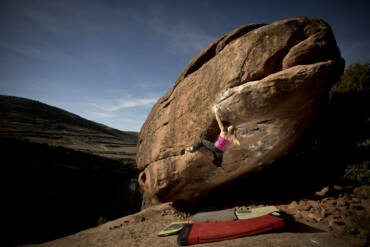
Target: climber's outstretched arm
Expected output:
[220,124]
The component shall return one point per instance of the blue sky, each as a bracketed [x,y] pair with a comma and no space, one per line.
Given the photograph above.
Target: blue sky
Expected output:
[109,61]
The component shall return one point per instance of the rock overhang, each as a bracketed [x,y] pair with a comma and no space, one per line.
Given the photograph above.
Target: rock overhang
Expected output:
[268,80]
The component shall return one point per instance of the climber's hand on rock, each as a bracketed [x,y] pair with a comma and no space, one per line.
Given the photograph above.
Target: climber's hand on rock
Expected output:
[216,109]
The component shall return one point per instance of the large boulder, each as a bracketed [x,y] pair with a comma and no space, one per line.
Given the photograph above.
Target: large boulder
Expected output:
[268,80]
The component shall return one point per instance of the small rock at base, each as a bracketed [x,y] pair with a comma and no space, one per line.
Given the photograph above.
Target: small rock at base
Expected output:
[322,192]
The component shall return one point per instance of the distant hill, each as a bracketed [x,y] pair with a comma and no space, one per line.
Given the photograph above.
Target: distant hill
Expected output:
[37,122]
[64,173]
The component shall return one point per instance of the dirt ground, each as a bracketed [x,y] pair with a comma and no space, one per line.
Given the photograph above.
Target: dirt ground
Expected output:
[141,229]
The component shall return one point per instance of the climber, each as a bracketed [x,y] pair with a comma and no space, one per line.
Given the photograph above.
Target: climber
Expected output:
[227,134]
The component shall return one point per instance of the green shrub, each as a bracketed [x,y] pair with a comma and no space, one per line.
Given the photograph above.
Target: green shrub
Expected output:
[358,172]
[102,220]
[356,78]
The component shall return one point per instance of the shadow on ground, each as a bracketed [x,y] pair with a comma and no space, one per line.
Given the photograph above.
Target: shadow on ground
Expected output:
[53,192]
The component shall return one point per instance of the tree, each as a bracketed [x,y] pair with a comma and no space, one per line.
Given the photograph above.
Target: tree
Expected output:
[356,78]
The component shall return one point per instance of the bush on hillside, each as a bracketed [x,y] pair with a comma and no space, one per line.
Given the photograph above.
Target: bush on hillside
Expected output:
[352,97]
[358,172]
[356,78]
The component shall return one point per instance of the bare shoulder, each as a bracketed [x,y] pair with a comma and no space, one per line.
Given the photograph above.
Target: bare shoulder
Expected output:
[223,134]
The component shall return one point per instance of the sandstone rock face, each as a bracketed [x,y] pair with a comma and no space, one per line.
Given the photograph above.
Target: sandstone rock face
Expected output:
[269,82]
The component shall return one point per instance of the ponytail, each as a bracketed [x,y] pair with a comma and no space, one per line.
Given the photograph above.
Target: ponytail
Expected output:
[235,139]
[233,136]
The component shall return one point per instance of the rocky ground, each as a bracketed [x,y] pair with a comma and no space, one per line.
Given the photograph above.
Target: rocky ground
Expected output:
[337,217]
[344,210]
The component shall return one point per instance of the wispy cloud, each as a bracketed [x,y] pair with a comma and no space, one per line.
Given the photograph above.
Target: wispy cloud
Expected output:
[49,30]
[129,103]
[64,17]
[100,115]
[26,50]
[182,35]
[125,114]
[188,39]
[36,51]
[117,104]
[138,102]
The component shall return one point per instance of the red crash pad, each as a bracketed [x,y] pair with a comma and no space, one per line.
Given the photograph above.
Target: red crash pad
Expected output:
[204,232]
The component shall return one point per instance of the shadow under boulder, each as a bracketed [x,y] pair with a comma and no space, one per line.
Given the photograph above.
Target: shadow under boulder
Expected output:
[53,192]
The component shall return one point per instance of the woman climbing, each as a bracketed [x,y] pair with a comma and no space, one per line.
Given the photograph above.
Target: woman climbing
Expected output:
[227,134]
